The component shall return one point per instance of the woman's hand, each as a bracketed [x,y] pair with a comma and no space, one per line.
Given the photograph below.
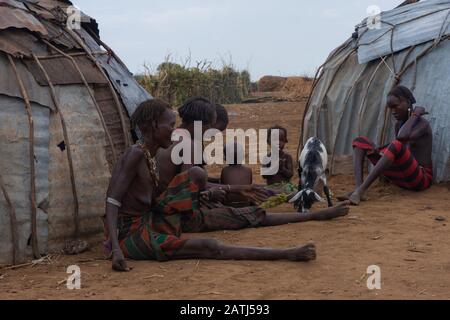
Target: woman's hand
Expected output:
[118,261]
[216,194]
[420,111]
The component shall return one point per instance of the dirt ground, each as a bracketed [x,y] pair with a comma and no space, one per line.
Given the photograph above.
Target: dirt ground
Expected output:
[396,230]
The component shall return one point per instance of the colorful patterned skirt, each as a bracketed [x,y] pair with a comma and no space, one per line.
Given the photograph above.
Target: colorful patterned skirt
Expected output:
[156,235]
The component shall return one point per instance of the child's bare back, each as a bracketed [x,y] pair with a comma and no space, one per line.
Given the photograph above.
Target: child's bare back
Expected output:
[236,175]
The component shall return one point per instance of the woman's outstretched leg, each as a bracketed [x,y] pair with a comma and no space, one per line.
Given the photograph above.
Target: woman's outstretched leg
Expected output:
[212,249]
[277,219]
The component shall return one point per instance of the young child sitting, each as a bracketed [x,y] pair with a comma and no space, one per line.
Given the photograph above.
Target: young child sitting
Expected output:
[236,174]
[286,166]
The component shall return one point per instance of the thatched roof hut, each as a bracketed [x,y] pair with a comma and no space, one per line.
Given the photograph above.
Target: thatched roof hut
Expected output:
[408,45]
[65,101]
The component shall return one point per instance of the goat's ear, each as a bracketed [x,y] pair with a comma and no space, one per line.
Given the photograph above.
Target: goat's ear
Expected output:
[300,169]
[296,197]
[327,171]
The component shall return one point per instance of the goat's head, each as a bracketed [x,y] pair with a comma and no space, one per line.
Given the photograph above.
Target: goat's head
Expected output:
[305,198]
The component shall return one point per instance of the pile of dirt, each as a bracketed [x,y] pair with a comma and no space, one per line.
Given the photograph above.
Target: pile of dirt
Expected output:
[297,87]
[291,88]
[271,83]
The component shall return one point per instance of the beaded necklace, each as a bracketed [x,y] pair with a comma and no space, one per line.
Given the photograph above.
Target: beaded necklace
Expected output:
[151,163]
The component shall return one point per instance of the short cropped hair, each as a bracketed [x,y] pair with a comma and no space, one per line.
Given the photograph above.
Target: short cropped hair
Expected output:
[197,109]
[276,127]
[222,114]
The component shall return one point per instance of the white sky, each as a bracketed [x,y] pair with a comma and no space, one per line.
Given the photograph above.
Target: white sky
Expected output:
[284,37]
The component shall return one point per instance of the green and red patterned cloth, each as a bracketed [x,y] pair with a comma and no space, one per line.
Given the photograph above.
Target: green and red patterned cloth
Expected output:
[156,235]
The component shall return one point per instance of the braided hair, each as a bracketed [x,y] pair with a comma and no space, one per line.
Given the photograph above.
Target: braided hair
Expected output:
[402,92]
[147,112]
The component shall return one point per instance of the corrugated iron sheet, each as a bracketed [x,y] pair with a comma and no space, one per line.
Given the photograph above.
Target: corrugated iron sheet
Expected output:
[414,25]
[15,170]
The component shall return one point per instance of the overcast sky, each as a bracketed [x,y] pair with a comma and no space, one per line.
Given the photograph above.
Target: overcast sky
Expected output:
[284,37]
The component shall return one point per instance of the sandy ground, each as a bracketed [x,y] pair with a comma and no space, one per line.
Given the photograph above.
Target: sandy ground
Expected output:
[395,230]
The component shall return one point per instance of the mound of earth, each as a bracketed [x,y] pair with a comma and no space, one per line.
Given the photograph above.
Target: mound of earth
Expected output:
[271,83]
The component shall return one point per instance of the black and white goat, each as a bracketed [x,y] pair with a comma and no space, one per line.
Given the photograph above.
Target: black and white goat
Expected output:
[311,169]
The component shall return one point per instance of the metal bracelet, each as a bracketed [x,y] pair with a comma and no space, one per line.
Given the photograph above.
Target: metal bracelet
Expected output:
[114,202]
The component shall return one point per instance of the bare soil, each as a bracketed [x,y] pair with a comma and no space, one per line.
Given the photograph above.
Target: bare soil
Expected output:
[396,230]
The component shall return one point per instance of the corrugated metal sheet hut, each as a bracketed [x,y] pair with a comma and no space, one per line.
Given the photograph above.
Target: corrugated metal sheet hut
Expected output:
[410,47]
[65,101]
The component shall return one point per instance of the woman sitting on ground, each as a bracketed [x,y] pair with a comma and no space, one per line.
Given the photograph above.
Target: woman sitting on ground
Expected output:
[406,161]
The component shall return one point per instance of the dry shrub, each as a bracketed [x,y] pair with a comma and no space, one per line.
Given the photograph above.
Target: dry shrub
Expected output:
[175,82]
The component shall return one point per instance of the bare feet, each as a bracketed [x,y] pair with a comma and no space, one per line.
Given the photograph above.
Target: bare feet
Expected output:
[355,198]
[347,196]
[305,253]
[330,213]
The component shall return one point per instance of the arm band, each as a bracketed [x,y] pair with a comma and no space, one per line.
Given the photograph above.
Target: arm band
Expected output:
[114,202]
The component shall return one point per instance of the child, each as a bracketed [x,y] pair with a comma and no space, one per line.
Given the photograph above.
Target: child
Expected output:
[286,166]
[236,174]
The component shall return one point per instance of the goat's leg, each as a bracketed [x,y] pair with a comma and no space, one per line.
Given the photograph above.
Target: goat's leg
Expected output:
[326,190]
[328,194]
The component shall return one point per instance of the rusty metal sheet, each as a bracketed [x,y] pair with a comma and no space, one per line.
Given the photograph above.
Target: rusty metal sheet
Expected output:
[62,71]
[51,4]
[43,13]
[20,43]
[57,36]
[15,171]
[20,19]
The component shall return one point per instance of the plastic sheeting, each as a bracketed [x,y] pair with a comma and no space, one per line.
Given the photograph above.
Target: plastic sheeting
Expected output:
[349,100]
[406,26]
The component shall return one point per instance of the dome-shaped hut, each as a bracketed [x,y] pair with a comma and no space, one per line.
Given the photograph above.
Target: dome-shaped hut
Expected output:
[65,101]
[408,45]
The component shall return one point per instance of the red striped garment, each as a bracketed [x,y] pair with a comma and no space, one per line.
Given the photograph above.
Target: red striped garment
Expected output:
[405,171]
